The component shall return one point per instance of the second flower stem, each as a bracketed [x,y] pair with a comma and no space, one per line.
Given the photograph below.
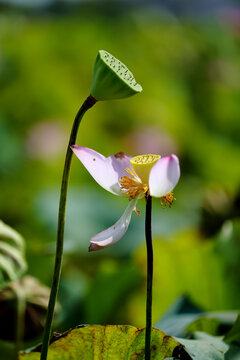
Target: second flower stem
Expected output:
[148,233]
[88,103]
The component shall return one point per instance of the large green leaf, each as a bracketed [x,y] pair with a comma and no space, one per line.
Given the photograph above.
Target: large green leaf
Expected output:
[216,323]
[110,342]
[180,314]
[12,263]
[206,347]
[233,336]
[185,317]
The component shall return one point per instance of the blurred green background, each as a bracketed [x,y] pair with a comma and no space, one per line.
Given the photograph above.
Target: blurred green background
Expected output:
[187,62]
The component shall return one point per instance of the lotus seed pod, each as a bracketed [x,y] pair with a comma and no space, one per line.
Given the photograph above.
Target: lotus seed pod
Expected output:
[112,79]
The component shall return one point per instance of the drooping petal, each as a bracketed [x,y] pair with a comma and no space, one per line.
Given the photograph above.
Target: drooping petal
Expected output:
[105,171]
[111,235]
[164,176]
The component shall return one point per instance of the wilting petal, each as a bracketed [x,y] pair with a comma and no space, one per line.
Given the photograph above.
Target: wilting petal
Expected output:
[105,171]
[110,236]
[164,176]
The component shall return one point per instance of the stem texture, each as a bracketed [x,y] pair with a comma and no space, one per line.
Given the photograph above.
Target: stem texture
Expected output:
[88,103]
[148,233]
[20,316]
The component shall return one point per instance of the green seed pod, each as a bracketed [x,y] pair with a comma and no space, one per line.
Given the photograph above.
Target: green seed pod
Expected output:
[112,79]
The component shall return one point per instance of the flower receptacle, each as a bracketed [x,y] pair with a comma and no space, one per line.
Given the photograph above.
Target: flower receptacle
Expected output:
[143,164]
[112,79]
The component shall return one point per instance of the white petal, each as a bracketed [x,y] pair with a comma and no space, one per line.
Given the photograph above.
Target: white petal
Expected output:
[105,171]
[111,235]
[164,176]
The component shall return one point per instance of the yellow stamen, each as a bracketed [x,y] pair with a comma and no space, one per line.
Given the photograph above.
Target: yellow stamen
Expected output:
[133,186]
[131,172]
[137,183]
[167,200]
[137,211]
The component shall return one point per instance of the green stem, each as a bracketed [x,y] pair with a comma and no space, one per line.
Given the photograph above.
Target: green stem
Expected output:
[148,233]
[20,318]
[88,103]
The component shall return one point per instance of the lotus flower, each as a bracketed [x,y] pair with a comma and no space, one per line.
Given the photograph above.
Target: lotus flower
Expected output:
[131,177]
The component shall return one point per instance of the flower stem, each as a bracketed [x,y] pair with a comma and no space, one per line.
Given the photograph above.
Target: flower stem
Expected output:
[148,233]
[20,318]
[88,103]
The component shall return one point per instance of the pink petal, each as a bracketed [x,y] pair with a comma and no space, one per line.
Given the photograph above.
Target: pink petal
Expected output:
[105,171]
[164,176]
[114,233]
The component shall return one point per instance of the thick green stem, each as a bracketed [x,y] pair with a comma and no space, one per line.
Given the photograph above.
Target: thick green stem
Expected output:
[20,318]
[88,103]
[148,233]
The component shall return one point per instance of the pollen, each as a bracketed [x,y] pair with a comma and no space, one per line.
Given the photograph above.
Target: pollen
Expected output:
[167,200]
[132,185]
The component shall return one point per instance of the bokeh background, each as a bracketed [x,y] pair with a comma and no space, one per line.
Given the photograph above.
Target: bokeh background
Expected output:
[186,56]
